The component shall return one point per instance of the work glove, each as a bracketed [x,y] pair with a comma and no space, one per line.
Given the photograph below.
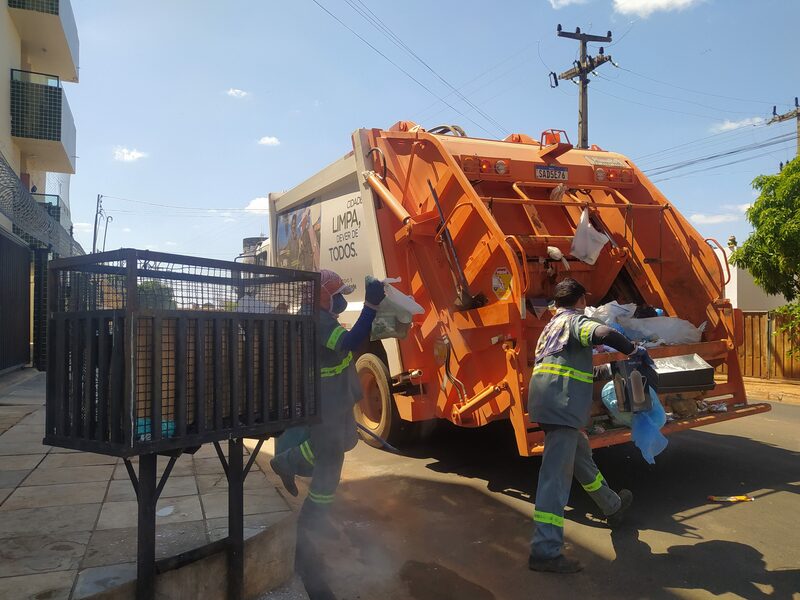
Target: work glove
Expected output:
[374,293]
[641,353]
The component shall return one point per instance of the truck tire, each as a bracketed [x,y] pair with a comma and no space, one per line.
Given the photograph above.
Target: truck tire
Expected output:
[376,410]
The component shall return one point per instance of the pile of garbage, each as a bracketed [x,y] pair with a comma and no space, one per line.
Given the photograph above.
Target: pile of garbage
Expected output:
[646,325]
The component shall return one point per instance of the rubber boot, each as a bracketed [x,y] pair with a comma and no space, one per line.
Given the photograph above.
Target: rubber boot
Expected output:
[616,519]
[280,465]
[559,564]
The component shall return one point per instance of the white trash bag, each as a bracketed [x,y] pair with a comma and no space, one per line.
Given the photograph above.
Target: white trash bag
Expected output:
[664,330]
[587,242]
[609,313]
[393,319]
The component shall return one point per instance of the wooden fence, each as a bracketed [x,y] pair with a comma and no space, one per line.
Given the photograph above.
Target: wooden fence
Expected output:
[765,352]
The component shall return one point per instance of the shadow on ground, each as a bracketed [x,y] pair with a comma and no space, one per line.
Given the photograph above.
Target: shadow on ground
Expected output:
[407,537]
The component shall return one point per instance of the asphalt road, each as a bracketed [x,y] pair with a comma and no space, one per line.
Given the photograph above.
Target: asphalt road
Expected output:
[452,520]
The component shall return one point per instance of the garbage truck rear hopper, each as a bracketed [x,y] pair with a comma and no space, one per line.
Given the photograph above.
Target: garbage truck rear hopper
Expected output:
[475,229]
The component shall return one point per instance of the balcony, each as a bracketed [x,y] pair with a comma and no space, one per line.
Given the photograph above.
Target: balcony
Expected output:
[41,121]
[54,206]
[49,35]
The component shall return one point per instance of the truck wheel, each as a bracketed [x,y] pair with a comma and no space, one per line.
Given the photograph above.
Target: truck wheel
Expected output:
[376,410]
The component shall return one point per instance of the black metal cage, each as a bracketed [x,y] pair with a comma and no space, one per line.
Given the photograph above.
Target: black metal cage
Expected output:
[150,352]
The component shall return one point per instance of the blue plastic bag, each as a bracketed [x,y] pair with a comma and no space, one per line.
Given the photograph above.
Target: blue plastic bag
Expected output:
[609,397]
[646,430]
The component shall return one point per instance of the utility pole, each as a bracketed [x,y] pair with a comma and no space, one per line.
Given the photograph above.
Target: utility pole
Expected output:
[105,231]
[98,211]
[792,114]
[581,70]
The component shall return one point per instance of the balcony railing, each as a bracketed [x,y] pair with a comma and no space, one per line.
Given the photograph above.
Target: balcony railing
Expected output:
[32,220]
[49,35]
[40,111]
[54,206]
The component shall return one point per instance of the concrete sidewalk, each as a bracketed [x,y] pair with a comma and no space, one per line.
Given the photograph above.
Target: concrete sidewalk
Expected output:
[774,390]
[68,519]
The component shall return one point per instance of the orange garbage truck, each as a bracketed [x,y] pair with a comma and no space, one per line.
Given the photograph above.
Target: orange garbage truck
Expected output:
[479,231]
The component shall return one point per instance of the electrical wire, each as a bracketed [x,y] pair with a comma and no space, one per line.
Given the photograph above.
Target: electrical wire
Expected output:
[685,89]
[733,162]
[378,24]
[700,141]
[660,170]
[629,101]
[480,75]
[179,206]
[686,100]
[399,68]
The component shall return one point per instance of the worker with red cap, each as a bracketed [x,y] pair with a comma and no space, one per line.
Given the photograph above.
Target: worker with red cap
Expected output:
[321,455]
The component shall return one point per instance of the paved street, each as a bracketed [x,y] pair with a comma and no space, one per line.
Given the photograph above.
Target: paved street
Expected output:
[453,520]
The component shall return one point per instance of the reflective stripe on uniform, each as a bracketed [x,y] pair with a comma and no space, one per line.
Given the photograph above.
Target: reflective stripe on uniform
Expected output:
[334,338]
[338,369]
[586,333]
[596,484]
[545,517]
[305,450]
[320,498]
[563,371]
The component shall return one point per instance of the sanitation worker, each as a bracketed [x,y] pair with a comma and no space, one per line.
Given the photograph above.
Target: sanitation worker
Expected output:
[560,401]
[321,455]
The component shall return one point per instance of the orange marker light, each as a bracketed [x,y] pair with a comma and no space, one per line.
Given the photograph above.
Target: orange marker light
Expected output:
[486,166]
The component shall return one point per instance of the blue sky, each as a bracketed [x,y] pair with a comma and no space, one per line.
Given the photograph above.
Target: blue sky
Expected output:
[208,106]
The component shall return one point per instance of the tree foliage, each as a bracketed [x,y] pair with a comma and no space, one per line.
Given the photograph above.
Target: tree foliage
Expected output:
[156,295]
[772,252]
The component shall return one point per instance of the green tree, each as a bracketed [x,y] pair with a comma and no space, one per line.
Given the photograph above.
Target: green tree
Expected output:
[156,295]
[772,252]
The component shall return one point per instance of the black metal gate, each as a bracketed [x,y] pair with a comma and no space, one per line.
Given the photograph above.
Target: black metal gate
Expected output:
[15,302]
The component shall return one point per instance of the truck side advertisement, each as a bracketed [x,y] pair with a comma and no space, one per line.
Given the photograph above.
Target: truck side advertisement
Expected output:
[326,234]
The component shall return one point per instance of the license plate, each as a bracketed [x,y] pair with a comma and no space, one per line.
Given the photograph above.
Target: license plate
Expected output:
[552,173]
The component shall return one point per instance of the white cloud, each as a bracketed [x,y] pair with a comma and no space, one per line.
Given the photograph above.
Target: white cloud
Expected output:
[126,230]
[727,125]
[702,219]
[123,154]
[259,206]
[742,208]
[237,93]
[171,243]
[83,227]
[644,8]
[229,220]
[556,4]
[269,140]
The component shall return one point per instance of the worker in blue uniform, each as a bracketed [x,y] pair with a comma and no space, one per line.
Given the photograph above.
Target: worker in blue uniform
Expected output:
[321,456]
[560,401]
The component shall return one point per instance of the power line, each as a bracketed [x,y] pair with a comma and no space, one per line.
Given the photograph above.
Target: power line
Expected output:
[378,24]
[177,206]
[685,89]
[733,162]
[463,87]
[660,170]
[630,87]
[398,67]
[629,101]
[737,131]
[484,85]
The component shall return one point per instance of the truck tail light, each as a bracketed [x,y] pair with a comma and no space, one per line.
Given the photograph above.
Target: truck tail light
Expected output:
[613,175]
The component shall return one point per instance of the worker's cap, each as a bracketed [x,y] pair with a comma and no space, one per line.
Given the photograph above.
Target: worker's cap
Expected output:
[567,292]
[331,284]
